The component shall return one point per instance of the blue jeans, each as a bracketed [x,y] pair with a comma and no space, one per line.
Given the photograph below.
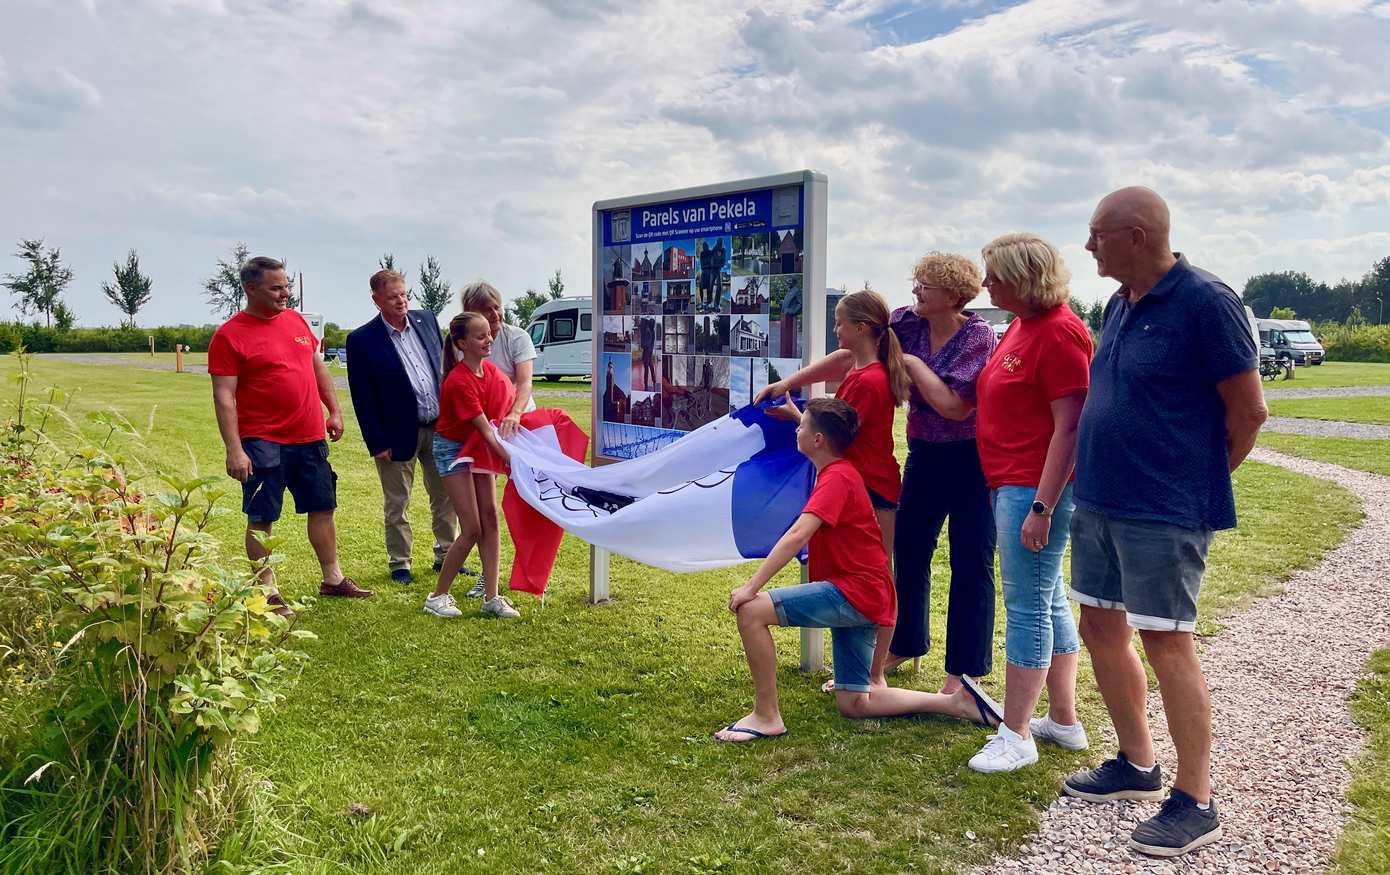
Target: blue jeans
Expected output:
[820,604]
[1038,620]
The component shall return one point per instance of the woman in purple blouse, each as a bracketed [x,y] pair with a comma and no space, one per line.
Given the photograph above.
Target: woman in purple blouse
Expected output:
[945,348]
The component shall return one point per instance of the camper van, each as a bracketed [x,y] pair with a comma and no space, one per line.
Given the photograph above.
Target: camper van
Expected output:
[563,332]
[1290,339]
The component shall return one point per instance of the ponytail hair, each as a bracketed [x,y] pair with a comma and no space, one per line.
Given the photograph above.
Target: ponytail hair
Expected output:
[868,307]
[458,330]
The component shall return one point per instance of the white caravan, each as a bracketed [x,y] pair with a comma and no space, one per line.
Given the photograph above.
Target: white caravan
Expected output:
[563,333]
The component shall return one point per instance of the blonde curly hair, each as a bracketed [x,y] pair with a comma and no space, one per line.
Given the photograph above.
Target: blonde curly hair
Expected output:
[957,274]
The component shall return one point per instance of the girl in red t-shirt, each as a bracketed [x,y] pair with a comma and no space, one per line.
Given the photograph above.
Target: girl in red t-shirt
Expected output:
[874,386]
[469,455]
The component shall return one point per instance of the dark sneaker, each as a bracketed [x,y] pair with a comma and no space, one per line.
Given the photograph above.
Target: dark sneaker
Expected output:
[345,589]
[1115,779]
[403,576]
[438,564]
[1178,827]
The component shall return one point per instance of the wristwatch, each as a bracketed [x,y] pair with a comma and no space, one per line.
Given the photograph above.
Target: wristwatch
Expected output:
[1041,509]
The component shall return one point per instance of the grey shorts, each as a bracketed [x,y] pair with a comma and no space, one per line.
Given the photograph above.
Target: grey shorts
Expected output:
[1150,570]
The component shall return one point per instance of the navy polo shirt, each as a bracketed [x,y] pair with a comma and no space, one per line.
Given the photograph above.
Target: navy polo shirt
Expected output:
[1151,444]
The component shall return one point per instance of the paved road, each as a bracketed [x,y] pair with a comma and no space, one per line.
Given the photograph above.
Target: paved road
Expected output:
[1327,428]
[1280,392]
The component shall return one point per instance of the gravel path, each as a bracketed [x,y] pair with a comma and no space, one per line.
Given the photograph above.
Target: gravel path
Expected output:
[1280,675]
[1326,428]
[1344,392]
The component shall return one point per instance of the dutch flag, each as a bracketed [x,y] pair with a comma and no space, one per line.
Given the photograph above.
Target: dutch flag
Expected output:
[721,495]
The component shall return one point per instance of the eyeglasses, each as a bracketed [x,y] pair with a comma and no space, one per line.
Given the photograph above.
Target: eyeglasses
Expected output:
[1096,233]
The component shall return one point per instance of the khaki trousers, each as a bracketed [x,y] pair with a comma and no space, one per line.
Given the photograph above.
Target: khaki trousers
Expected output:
[397,478]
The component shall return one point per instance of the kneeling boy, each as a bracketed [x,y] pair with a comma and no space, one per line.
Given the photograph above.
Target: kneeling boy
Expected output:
[851,593]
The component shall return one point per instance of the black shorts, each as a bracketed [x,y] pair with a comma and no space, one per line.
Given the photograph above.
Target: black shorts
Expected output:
[303,468]
[879,502]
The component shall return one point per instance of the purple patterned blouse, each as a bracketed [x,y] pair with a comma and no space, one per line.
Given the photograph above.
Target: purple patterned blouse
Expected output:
[958,363]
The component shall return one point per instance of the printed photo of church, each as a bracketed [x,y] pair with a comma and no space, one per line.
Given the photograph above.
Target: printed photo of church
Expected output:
[616,376]
[646,262]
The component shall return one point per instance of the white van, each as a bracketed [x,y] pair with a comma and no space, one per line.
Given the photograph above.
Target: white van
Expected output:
[563,332]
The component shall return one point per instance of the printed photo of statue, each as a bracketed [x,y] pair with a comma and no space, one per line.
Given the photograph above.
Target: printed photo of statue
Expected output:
[785,311]
[712,255]
[646,354]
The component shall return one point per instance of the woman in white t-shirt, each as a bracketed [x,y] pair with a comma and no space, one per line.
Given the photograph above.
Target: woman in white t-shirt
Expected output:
[512,350]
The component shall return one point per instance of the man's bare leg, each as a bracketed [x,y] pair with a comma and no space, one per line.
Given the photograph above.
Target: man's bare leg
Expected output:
[1120,676]
[323,537]
[1187,705]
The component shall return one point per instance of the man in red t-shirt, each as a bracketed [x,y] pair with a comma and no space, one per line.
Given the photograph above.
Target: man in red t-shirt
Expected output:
[267,384]
[851,593]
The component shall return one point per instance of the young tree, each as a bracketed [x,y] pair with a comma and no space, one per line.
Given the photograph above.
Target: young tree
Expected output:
[63,316]
[519,313]
[557,286]
[1095,316]
[434,292]
[223,289]
[131,290]
[40,288]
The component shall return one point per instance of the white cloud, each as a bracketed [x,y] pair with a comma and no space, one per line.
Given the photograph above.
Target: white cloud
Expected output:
[329,131]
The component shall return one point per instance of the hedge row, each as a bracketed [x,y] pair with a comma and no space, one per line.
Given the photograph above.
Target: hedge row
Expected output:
[1360,343]
[37,338]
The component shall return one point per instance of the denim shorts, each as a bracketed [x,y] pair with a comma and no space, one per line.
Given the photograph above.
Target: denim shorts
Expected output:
[275,467]
[445,451]
[1150,570]
[821,605]
[1037,616]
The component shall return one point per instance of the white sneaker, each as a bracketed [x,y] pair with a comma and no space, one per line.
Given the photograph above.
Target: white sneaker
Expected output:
[1071,737]
[478,590]
[1005,751]
[442,606]
[501,607]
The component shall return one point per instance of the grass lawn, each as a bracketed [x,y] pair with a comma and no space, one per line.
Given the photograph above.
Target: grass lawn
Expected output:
[577,739]
[1363,455]
[1335,374]
[1365,845]
[1373,408]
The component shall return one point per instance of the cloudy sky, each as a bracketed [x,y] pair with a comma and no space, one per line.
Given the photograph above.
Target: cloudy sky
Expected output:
[330,131]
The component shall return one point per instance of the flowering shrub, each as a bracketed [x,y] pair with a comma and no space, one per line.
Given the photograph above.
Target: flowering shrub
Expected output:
[133,656]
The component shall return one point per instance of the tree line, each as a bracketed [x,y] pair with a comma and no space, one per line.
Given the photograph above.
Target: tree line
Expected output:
[39,288]
[1360,300]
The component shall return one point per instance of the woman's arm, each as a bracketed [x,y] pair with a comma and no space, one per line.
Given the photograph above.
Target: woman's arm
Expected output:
[1057,468]
[490,437]
[833,367]
[942,398]
[522,381]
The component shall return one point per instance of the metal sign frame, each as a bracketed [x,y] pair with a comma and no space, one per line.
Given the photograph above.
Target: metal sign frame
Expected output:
[814,328]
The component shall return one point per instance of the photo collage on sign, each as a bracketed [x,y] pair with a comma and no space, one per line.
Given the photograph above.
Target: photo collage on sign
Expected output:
[693,327]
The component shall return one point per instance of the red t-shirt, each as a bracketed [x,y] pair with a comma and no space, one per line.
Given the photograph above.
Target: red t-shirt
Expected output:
[277,393]
[1036,362]
[866,390]
[847,549]
[465,395]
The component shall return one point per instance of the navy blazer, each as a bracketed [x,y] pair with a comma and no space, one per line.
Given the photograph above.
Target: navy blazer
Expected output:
[382,394]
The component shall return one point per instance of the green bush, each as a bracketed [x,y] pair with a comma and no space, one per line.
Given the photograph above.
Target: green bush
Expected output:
[1355,343]
[134,657]
[36,338]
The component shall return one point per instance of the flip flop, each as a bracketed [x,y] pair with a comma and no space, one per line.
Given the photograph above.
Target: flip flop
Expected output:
[988,708]
[757,736]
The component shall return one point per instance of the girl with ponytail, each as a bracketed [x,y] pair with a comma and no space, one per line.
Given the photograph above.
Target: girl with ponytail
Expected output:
[874,385]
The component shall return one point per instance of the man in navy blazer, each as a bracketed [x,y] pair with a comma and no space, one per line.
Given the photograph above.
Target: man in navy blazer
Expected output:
[394,372]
